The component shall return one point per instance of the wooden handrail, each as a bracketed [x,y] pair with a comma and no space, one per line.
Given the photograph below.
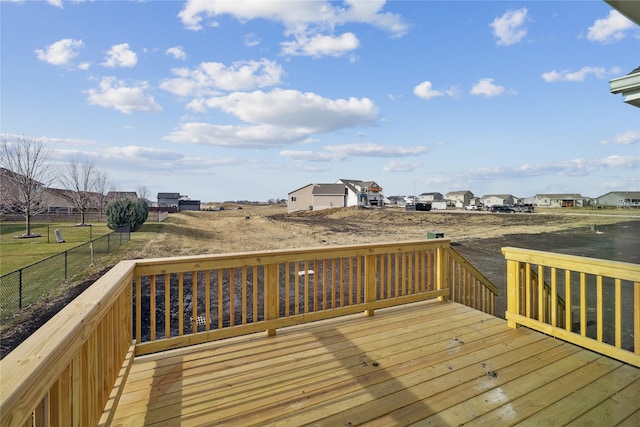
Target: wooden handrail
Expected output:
[67,372]
[587,284]
[46,380]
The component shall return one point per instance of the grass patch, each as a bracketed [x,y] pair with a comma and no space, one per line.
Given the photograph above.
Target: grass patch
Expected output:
[19,252]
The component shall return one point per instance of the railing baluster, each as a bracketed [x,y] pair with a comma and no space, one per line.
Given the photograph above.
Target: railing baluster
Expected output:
[167,305]
[583,304]
[180,304]
[618,312]
[232,296]
[244,295]
[207,299]
[599,308]
[152,306]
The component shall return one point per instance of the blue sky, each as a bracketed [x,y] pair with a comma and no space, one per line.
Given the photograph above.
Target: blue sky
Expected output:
[249,100]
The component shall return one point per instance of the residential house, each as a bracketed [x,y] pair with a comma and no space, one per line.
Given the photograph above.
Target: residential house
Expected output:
[363,193]
[189,205]
[317,197]
[114,195]
[169,200]
[399,201]
[344,193]
[460,199]
[620,199]
[560,200]
[430,197]
[498,200]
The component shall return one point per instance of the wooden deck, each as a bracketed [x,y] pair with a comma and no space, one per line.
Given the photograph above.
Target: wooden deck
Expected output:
[430,363]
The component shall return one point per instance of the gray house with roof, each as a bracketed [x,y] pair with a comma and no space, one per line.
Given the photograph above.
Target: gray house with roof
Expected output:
[620,199]
[560,200]
[344,193]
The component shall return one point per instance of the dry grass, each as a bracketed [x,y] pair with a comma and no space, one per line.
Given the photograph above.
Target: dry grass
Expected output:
[263,228]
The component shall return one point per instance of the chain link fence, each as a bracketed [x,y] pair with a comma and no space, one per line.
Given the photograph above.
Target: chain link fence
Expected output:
[24,286]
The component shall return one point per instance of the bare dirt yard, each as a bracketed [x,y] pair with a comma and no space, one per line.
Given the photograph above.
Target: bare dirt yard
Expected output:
[479,236]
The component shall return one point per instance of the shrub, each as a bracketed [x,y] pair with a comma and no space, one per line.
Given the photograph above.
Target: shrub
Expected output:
[123,212]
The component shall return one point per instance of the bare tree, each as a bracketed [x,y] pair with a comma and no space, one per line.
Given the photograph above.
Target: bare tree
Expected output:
[143,192]
[27,178]
[101,185]
[79,177]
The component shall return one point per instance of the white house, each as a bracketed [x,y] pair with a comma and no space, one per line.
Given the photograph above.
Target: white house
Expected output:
[344,193]
[560,200]
[498,200]
[430,197]
[620,199]
[460,199]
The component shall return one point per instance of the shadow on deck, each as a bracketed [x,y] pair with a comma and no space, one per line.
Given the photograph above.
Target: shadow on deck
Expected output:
[433,363]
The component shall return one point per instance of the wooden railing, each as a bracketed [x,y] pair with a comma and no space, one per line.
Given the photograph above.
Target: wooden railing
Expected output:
[72,368]
[602,300]
[212,297]
[64,373]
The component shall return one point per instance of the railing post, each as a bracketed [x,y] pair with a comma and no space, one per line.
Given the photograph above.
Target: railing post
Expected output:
[512,290]
[370,294]
[271,295]
[442,271]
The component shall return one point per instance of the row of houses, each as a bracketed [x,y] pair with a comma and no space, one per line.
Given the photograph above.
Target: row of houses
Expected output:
[349,192]
[61,201]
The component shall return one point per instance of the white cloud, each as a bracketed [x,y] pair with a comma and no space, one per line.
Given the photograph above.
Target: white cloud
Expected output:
[259,136]
[310,23]
[579,166]
[399,166]
[56,3]
[115,94]
[341,152]
[320,45]
[292,109]
[425,91]
[143,154]
[210,77]
[610,29]
[251,40]
[625,138]
[276,118]
[486,87]
[577,76]
[177,52]
[120,56]
[509,28]
[60,52]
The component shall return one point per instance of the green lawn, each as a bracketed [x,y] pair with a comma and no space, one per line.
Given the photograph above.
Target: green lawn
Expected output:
[16,252]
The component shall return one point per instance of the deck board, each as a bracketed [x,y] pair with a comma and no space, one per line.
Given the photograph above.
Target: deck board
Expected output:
[429,363]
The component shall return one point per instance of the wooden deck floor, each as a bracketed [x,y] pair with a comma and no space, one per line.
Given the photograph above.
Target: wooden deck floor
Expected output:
[432,363]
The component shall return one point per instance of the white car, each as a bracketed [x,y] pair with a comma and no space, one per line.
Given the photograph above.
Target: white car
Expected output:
[472,208]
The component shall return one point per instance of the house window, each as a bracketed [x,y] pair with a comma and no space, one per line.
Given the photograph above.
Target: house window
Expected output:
[293,198]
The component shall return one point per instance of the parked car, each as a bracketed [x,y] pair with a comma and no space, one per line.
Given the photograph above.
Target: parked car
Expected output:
[472,208]
[503,209]
[526,208]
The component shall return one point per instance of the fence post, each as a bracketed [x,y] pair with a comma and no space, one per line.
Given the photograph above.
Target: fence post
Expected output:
[20,289]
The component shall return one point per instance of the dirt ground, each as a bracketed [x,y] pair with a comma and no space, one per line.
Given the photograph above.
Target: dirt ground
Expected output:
[479,236]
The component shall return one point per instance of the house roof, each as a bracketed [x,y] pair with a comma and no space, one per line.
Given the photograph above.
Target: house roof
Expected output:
[561,196]
[500,196]
[625,194]
[122,195]
[328,190]
[430,194]
[456,193]
[168,195]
